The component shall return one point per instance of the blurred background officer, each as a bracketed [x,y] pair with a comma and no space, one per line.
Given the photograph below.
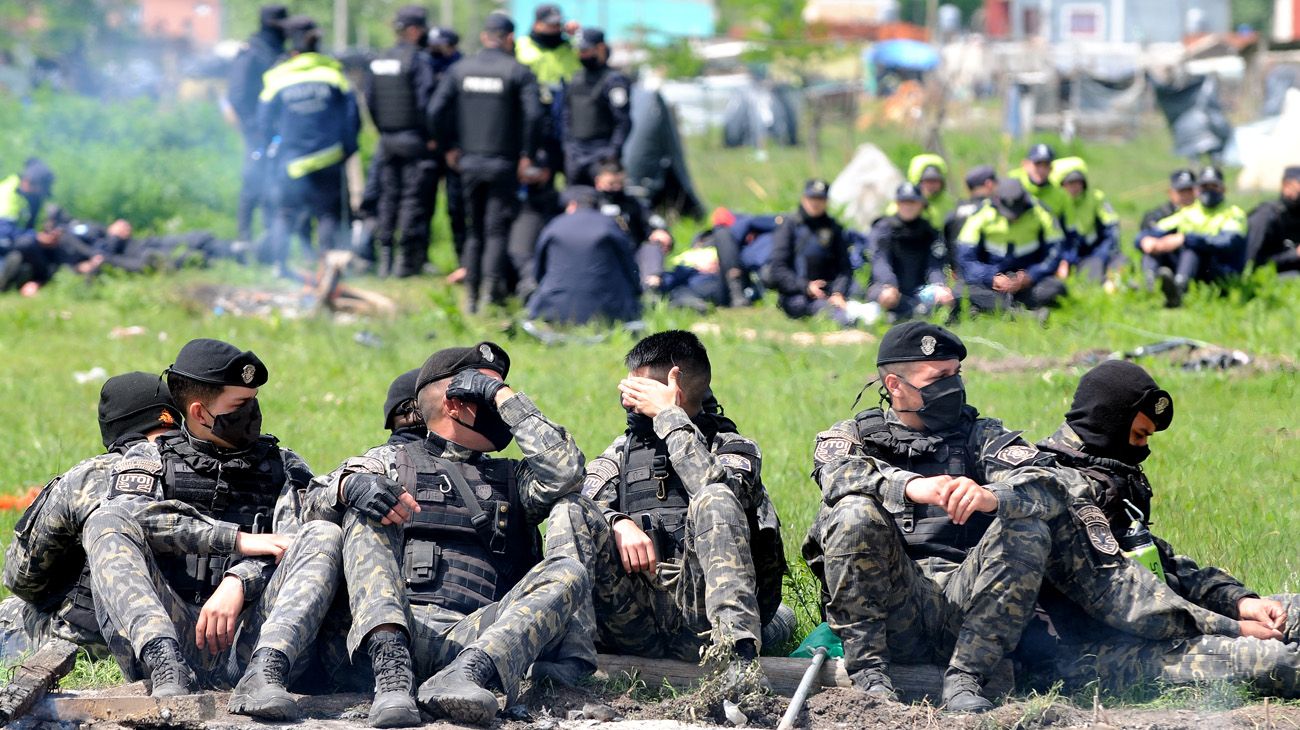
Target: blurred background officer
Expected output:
[310,116]
[256,56]
[486,114]
[596,112]
[402,81]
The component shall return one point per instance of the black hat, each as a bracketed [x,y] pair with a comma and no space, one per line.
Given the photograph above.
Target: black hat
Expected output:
[1210,175]
[1292,172]
[1182,179]
[584,195]
[443,37]
[932,173]
[548,13]
[980,175]
[498,22]
[411,15]
[272,16]
[1107,400]
[36,172]
[446,363]
[816,188]
[219,363]
[1041,153]
[590,38]
[400,391]
[1011,198]
[907,191]
[134,402]
[919,341]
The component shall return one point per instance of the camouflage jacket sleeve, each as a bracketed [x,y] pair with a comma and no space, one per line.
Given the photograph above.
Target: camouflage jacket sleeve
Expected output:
[1027,481]
[732,460]
[841,467]
[552,466]
[600,484]
[1209,587]
[321,499]
[255,572]
[51,526]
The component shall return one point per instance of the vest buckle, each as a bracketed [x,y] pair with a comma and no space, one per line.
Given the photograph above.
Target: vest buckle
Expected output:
[907,520]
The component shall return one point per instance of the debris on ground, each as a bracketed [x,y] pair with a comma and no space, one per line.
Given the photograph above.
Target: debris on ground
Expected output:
[320,290]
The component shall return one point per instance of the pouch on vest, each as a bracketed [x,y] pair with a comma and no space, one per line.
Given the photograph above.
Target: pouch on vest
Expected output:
[420,563]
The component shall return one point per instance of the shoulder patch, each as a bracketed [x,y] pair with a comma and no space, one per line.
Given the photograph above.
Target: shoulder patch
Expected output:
[136,476]
[1094,523]
[1017,454]
[832,445]
[737,462]
[600,471]
[618,97]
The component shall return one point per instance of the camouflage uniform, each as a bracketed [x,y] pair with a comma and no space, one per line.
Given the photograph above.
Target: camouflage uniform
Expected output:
[1113,620]
[725,575]
[532,618]
[956,597]
[136,529]
[45,566]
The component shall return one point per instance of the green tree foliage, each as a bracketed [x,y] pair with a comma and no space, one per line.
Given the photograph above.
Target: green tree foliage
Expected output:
[1256,13]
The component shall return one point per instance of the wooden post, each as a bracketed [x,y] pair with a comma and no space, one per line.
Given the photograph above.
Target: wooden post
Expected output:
[35,676]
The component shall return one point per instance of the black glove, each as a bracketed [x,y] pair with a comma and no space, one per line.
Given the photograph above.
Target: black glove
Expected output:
[373,495]
[474,386]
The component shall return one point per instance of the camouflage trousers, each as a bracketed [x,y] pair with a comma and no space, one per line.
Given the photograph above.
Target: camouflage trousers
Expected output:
[709,590]
[24,627]
[534,620]
[1118,661]
[136,605]
[887,607]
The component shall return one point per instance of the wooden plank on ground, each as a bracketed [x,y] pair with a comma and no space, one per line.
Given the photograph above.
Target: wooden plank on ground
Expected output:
[35,676]
[189,710]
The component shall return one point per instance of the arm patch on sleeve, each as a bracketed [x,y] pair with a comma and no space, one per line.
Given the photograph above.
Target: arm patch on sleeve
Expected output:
[833,445]
[737,462]
[600,471]
[135,477]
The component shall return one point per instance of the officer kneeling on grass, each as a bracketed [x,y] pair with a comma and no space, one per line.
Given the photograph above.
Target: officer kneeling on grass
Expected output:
[442,558]
[931,539]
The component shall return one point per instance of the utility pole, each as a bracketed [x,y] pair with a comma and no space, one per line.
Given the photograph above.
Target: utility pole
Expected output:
[445,17]
[340,25]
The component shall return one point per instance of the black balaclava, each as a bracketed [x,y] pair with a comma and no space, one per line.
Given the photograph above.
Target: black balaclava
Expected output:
[1107,400]
[240,427]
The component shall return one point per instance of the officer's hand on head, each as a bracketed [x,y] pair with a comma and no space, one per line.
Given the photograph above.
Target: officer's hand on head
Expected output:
[1264,610]
[964,498]
[635,547]
[378,497]
[473,386]
[219,617]
[648,396]
[1257,630]
[269,544]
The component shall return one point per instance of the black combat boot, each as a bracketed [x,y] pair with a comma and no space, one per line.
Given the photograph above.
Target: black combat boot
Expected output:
[1170,287]
[168,672]
[744,674]
[394,705]
[962,692]
[875,682]
[261,692]
[459,692]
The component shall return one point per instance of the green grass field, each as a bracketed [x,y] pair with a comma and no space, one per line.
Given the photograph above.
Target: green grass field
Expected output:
[1225,475]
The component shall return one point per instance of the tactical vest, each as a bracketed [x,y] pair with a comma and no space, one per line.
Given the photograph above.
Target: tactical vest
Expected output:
[470,542]
[242,490]
[488,114]
[394,106]
[1121,485]
[927,529]
[590,117]
[652,494]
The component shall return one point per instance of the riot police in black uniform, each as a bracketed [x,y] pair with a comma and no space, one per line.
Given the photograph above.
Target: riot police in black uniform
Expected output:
[596,111]
[1273,233]
[402,81]
[258,54]
[444,50]
[486,116]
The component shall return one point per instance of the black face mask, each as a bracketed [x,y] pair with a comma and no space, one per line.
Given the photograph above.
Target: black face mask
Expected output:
[240,427]
[591,63]
[547,40]
[489,424]
[1292,204]
[1211,198]
[943,402]
[1130,454]
[639,424]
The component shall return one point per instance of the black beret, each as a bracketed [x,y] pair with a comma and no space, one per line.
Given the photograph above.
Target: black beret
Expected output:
[219,363]
[411,15]
[1109,397]
[134,402]
[590,38]
[816,188]
[446,363]
[1041,153]
[401,390]
[917,342]
[498,22]
[980,175]
[1182,179]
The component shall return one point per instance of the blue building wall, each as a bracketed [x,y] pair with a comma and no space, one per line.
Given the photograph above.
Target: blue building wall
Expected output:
[666,19]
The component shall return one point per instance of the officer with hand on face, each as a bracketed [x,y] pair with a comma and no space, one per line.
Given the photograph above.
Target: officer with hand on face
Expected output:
[402,81]
[486,115]
[597,118]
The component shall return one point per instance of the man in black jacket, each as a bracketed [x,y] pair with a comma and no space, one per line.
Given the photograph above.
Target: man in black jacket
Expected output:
[907,261]
[257,55]
[1273,233]
[597,111]
[486,114]
[810,260]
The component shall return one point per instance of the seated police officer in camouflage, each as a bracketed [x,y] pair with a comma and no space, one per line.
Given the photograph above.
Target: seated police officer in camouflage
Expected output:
[45,566]
[931,538]
[1116,409]
[685,547]
[441,551]
[401,414]
[201,568]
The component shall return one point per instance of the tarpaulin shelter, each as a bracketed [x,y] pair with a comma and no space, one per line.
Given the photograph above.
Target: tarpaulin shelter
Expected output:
[654,158]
